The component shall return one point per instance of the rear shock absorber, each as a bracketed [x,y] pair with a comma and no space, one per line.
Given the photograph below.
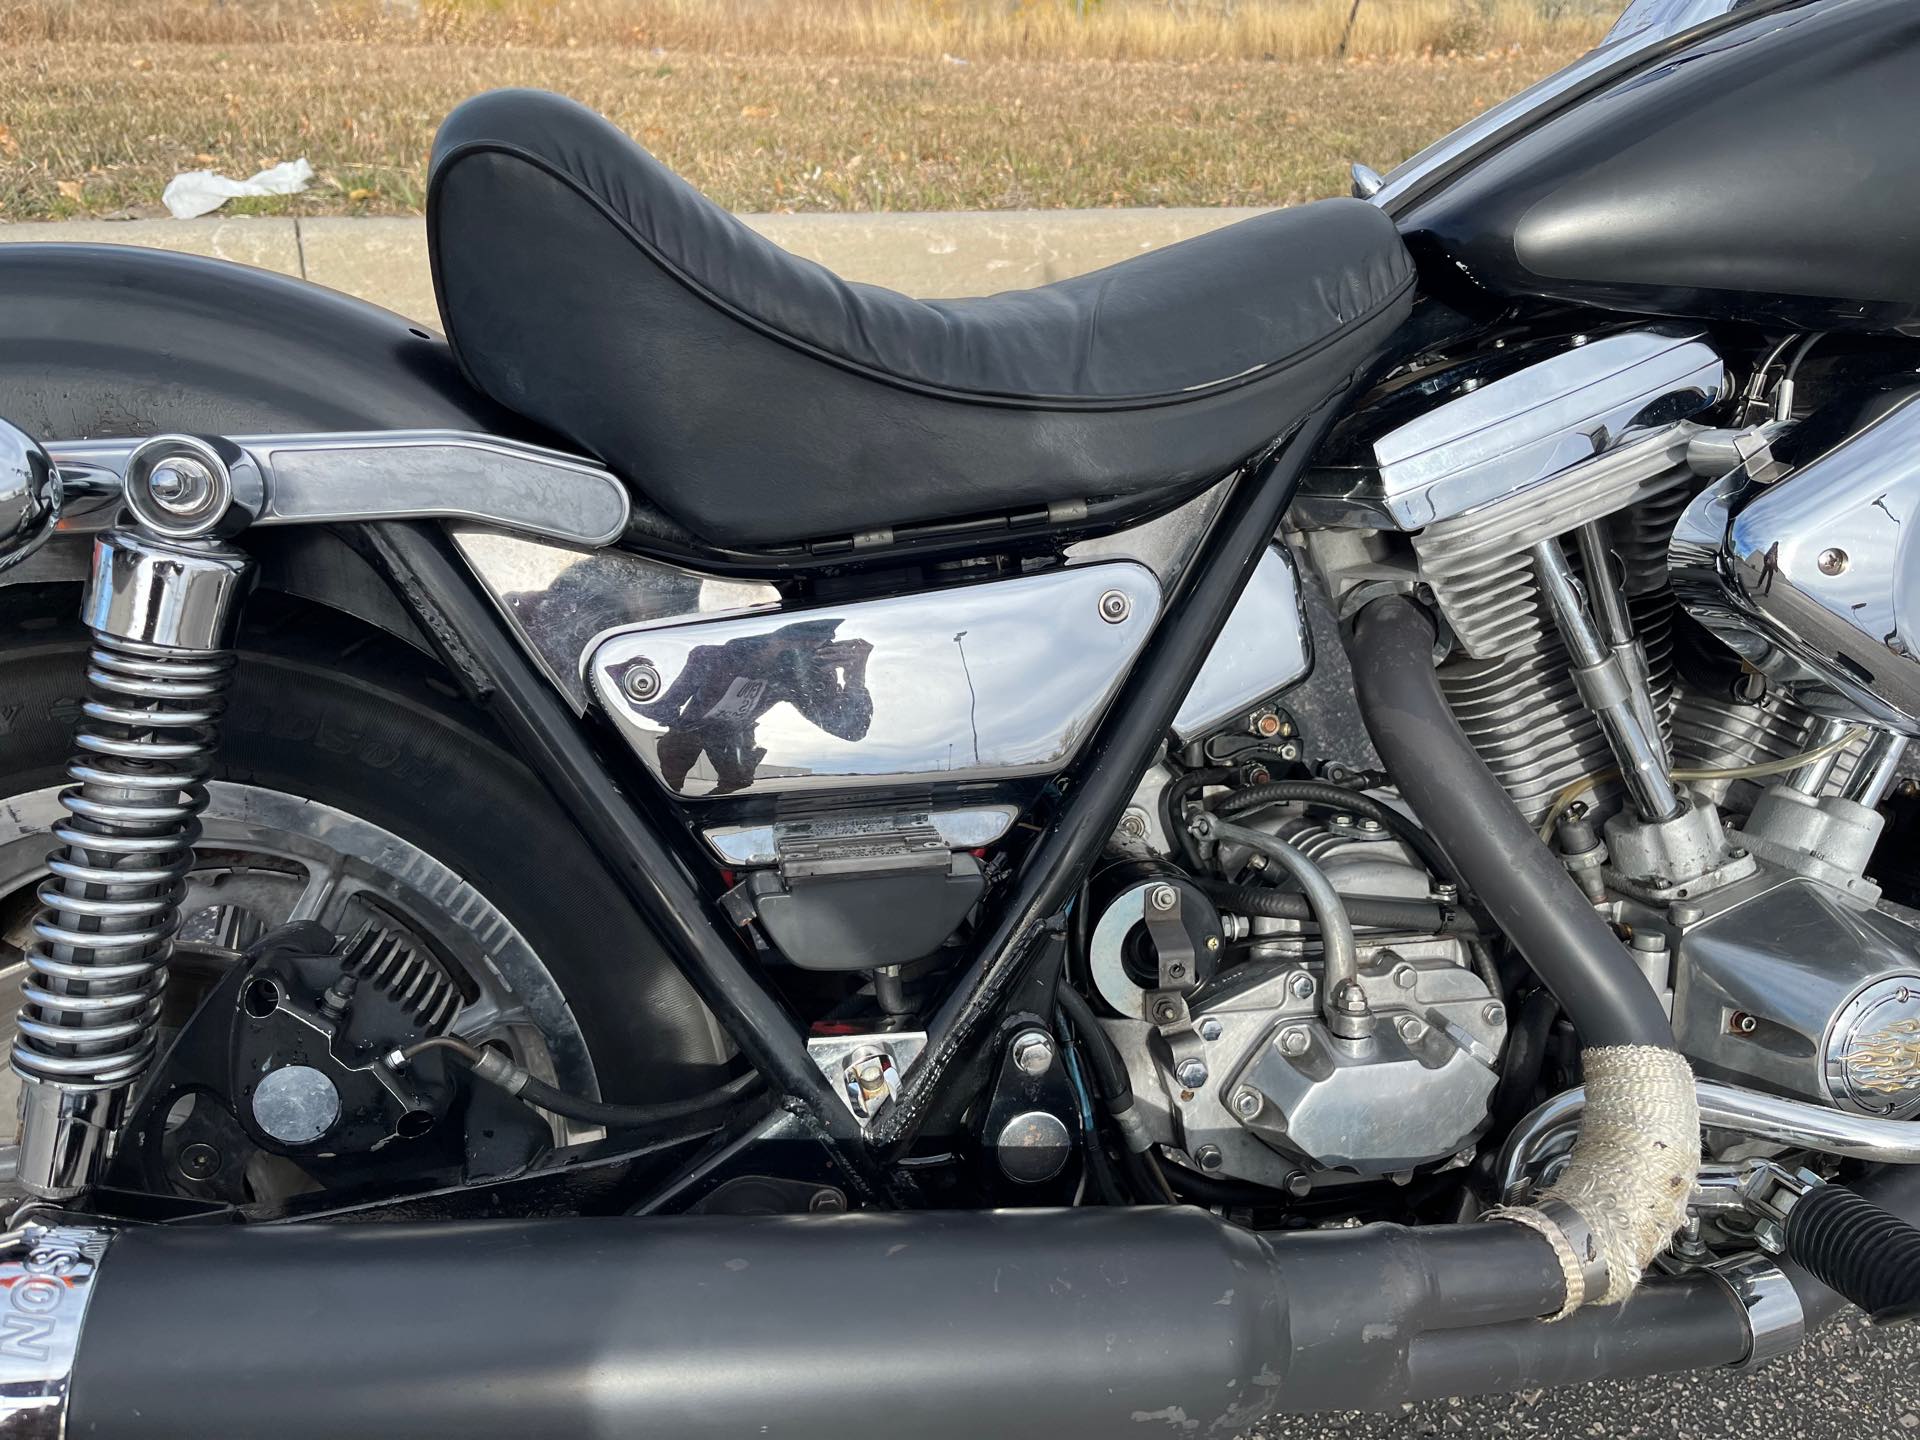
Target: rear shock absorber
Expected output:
[163,612]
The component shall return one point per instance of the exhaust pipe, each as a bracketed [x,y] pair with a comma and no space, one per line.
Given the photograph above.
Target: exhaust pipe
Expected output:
[1050,1324]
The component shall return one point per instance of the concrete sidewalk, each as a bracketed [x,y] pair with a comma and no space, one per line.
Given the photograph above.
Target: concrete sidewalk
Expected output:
[930,255]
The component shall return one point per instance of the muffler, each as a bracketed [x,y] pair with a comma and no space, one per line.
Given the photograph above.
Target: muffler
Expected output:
[1050,1324]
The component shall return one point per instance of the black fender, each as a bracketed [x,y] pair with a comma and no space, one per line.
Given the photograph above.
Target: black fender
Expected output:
[110,341]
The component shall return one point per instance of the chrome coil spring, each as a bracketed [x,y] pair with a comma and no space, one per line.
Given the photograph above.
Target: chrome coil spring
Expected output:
[111,900]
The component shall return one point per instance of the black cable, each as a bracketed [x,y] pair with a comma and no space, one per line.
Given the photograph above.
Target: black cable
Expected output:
[595,1112]
[1323,795]
[492,1066]
[1109,1068]
[1375,912]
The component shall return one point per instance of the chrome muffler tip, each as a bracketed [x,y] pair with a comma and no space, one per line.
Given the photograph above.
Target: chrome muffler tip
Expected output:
[29,495]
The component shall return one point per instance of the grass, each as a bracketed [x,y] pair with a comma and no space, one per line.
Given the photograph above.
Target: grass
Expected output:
[763,104]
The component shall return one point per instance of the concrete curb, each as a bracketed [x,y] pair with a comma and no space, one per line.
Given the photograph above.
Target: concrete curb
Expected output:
[931,255]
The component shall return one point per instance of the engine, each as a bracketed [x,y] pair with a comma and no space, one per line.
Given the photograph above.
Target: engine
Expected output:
[1719,808]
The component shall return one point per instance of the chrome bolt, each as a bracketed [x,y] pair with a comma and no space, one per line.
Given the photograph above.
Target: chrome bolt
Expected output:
[1163,897]
[1192,1074]
[642,683]
[1351,1000]
[1833,561]
[1301,985]
[1494,1014]
[1213,942]
[1210,1029]
[1405,976]
[1446,892]
[1115,607]
[1247,1102]
[1294,1042]
[1033,1052]
[1209,1157]
[1133,824]
[1411,1028]
[181,485]
[1370,825]
[1342,822]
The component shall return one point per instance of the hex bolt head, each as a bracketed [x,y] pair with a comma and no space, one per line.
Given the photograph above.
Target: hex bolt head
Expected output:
[1494,1014]
[1163,897]
[641,683]
[1192,1073]
[1209,1157]
[1209,1029]
[1301,985]
[1411,1028]
[1247,1102]
[1115,606]
[1294,1041]
[1165,1012]
[1033,1052]
[1405,976]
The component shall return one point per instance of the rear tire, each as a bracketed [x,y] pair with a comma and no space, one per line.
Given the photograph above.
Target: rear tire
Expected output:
[327,710]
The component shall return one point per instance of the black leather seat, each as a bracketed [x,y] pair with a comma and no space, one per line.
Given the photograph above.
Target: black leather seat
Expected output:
[758,398]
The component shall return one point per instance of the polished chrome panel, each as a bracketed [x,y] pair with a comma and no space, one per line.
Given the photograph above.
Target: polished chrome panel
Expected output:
[29,495]
[48,1274]
[1514,434]
[969,828]
[397,475]
[1264,646]
[1166,544]
[1642,26]
[988,681]
[1815,580]
[560,600]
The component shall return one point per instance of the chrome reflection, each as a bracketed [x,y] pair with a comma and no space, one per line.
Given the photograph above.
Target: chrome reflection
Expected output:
[1812,580]
[1264,647]
[988,681]
[559,600]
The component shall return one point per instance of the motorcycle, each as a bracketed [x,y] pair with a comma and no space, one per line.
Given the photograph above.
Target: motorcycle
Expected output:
[1290,824]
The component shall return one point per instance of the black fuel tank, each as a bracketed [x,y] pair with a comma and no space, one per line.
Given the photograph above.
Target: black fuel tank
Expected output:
[1769,173]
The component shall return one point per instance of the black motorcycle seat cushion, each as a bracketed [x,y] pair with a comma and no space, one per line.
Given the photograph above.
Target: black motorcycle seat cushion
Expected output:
[758,398]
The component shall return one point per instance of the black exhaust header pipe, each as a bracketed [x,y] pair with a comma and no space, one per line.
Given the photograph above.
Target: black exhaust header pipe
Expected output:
[1051,1324]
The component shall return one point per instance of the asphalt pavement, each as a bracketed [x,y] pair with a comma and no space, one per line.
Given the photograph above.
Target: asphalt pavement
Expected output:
[1849,1382]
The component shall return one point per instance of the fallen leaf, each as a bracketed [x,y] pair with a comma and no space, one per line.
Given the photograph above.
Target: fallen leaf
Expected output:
[68,188]
[757,112]
[143,64]
[205,160]
[356,196]
[9,146]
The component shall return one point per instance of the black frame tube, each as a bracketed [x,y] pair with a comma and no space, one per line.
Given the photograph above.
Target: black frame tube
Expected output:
[1136,723]
[477,647]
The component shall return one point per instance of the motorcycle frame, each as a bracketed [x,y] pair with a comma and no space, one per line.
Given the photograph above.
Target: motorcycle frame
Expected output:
[650,852]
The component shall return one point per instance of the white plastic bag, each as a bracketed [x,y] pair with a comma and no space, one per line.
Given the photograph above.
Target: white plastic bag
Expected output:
[199,192]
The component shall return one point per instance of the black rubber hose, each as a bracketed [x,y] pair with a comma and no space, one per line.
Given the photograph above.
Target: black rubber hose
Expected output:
[1376,912]
[1173,800]
[1329,796]
[1520,882]
[1851,1245]
[1109,1069]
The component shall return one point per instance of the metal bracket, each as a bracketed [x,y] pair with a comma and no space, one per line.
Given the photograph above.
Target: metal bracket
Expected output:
[184,486]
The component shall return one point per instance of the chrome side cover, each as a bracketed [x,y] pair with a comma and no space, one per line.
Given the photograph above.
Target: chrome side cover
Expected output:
[1519,432]
[1815,581]
[989,681]
[1264,646]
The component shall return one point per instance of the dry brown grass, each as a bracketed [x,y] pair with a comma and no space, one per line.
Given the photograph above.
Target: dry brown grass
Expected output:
[95,117]
[973,29]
